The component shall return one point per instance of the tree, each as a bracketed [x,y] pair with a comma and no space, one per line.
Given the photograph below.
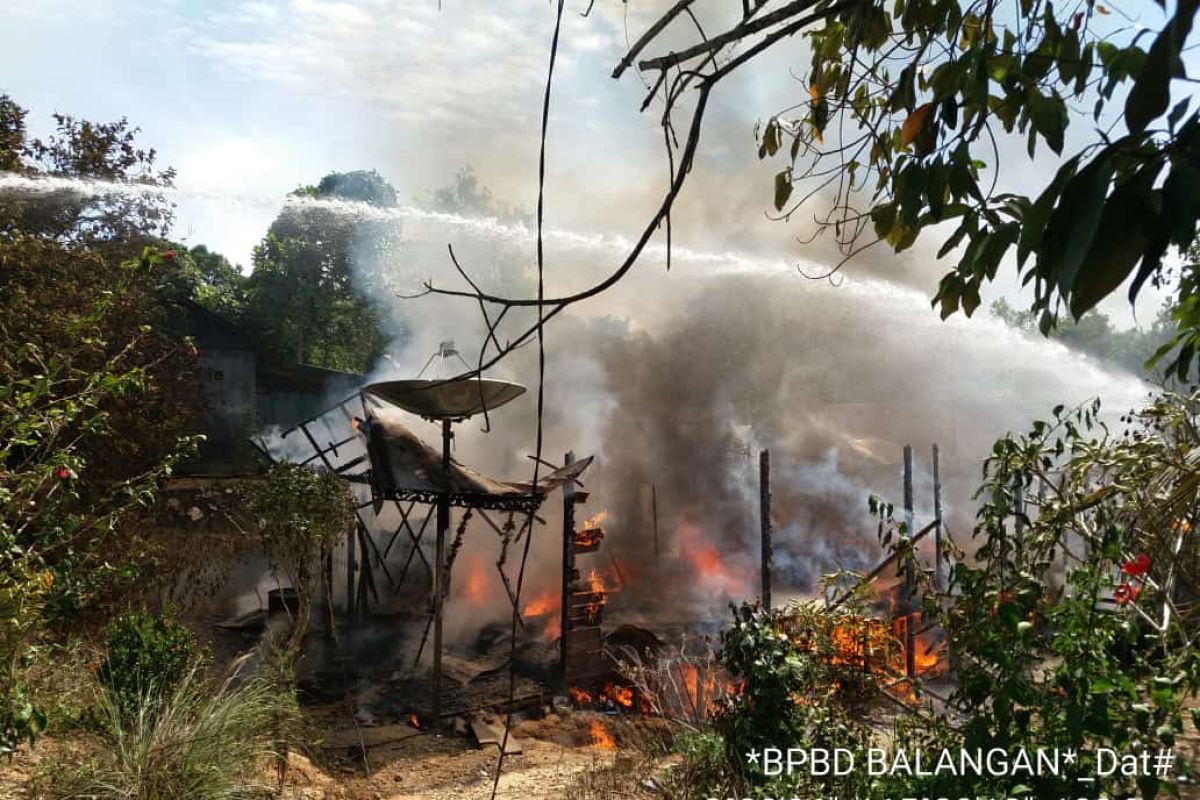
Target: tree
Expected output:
[206,277]
[465,195]
[914,96]
[904,104]
[302,301]
[95,410]
[128,219]
[12,134]
[100,393]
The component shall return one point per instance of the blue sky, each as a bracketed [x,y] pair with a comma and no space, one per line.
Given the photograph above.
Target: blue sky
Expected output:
[250,99]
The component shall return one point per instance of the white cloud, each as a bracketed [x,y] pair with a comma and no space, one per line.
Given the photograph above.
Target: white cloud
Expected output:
[460,64]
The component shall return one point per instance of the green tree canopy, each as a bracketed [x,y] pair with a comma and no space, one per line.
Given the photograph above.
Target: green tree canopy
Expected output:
[906,113]
[86,151]
[302,298]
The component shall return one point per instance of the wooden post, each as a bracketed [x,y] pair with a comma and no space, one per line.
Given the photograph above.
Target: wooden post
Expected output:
[937,532]
[327,592]
[351,590]
[568,567]
[654,519]
[764,499]
[910,656]
[439,573]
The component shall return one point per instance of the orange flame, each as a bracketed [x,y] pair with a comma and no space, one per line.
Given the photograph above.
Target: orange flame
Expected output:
[589,598]
[926,659]
[620,695]
[595,521]
[600,736]
[588,537]
[594,582]
[412,720]
[703,696]
[578,696]
[709,565]
[475,584]
[545,605]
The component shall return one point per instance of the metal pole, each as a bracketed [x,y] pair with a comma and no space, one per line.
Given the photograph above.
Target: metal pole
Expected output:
[910,656]
[568,566]
[937,513]
[764,500]
[443,513]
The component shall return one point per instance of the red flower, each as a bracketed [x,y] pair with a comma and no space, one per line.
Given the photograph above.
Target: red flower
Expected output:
[1138,566]
[168,255]
[62,473]
[1126,594]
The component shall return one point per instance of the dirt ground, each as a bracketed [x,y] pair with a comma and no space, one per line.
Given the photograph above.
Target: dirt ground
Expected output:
[398,762]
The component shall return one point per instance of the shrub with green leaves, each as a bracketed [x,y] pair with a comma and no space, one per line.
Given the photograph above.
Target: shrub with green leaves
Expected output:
[299,514]
[1074,622]
[148,655]
[792,695]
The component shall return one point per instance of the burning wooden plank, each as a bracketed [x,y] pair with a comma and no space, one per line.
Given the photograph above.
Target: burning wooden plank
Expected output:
[587,540]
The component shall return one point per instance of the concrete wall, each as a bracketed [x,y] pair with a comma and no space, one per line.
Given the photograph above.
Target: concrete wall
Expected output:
[228,383]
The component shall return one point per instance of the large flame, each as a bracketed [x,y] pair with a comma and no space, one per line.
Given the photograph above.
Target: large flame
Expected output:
[601,739]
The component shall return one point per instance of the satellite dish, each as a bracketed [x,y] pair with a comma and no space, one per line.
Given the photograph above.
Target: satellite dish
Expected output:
[440,399]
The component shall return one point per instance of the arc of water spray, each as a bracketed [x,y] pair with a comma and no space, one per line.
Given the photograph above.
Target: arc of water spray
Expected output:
[489,227]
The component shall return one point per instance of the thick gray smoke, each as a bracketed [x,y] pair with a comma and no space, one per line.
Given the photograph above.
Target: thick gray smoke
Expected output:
[675,382]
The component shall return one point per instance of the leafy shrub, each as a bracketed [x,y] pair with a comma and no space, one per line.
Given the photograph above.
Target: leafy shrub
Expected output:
[1072,625]
[94,399]
[792,695]
[148,655]
[299,515]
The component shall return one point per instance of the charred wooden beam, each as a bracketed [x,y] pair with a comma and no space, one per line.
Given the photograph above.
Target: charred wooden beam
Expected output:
[764,488]
[568,570]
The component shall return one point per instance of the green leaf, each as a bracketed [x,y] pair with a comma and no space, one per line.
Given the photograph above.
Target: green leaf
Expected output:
[1072,225]
[1151,92]
[1049,117]
[783,188]
[770,139]
[954,239]
[949,292]
[970,297]
[884,217]
[1181,203]
[1178,111]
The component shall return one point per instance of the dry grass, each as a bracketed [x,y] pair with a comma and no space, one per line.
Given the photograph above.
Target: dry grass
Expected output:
[203,741]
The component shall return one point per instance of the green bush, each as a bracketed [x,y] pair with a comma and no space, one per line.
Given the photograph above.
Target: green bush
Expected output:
[792,695]
[148,655]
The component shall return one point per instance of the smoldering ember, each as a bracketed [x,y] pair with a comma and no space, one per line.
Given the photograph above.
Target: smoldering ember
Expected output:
[599,399]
